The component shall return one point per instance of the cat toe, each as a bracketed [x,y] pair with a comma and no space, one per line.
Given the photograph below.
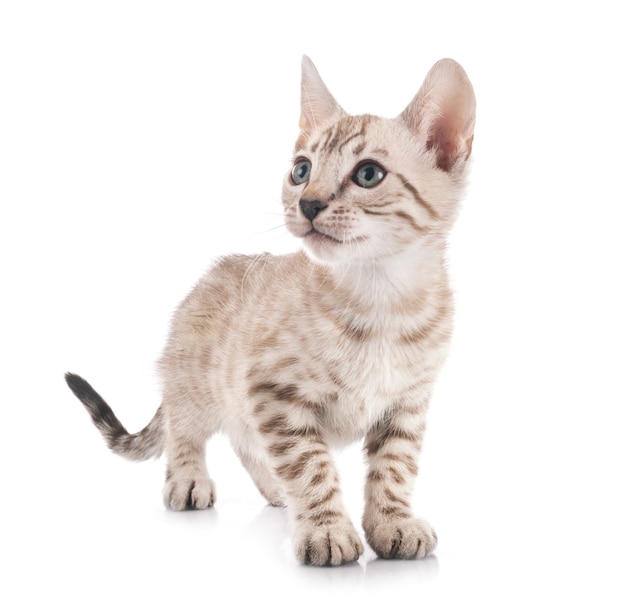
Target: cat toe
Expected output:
[188,494]
[406,539]
[331,545]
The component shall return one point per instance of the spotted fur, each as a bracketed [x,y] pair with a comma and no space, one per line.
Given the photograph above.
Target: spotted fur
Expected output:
[291,355]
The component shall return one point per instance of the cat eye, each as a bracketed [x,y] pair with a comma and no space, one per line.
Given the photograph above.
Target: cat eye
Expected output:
[368,175]
[301,171]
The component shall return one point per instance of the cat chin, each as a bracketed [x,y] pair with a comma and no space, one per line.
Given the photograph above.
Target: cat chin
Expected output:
[322,252]
[325,249]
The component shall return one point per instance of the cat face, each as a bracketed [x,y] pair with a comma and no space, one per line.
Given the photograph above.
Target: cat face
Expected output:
[360,189]
[363,188]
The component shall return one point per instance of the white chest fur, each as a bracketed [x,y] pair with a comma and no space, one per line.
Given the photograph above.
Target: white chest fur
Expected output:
[374,376]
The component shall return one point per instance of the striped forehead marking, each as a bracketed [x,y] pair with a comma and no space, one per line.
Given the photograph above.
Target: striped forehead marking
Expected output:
[345,131]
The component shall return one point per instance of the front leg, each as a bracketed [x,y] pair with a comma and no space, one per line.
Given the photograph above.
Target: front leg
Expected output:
[323,533]
[393,446]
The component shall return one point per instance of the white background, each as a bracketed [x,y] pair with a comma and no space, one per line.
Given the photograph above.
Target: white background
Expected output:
[139,141]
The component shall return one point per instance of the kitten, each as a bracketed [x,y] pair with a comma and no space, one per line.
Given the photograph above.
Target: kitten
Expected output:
[290,355]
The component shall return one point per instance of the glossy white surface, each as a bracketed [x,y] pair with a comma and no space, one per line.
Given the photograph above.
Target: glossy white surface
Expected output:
[123,174]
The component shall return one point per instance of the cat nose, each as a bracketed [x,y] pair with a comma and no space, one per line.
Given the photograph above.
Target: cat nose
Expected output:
[311,207]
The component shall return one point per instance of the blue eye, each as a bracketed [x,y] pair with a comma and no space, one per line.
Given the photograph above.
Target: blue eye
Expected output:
[368,175]
[301,171]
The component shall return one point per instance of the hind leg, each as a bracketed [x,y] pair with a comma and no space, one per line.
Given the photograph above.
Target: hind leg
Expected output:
[187,482]
[262,477]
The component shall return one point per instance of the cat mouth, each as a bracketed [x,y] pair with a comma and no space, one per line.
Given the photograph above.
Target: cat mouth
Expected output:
[316,235]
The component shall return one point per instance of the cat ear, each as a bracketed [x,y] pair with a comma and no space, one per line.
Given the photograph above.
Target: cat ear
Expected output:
[443,112]
[317,104]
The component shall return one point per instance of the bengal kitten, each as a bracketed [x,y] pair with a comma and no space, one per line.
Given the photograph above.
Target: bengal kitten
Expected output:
[291,355]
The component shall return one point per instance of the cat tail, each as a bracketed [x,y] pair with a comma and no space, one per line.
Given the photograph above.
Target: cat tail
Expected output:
[143,445]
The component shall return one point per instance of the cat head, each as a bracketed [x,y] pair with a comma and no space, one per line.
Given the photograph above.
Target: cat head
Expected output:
[363,187]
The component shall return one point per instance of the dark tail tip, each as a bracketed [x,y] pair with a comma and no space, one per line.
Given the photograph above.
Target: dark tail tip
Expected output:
[80,387]
[100,412]
[140,446]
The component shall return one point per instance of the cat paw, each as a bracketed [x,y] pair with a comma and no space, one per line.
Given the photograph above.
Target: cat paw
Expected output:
[274,497]
[405,538]
[327,545]
[187,494]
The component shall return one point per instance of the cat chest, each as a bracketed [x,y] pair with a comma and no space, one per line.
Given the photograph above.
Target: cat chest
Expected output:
[368,380]
[351,380]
